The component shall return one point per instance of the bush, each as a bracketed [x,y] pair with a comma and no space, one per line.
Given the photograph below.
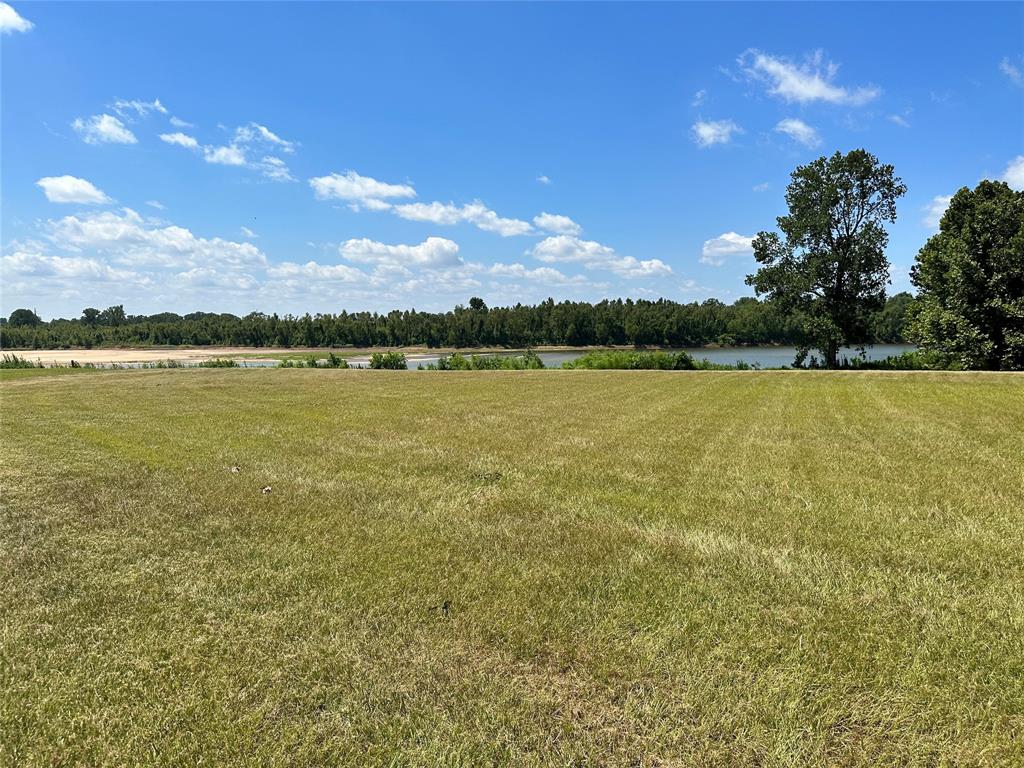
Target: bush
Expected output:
[13,361]
[919,360]
[394,361]
[635,360]
[529,360]
[615,359]
[219,362]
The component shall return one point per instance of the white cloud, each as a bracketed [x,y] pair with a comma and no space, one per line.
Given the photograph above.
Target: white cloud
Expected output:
[127,238]
[141,108]
[799,131]
[181,139]
[10,21]
[709,133]
[553,222]
[254,133]
[546,275]
[432,253]
[543,180]
[803,83]
[359,189]
[103,129]
[1014,174]
[1012,71]
[274,168]
[246,232]
[718,249]
[39,266]
[594,255]
[227,155]
[934,210]
[475,213]
[762,187]
[177,122]
[253,137]
[156,204]
[899,120]
[311,270]
[698,98]
[71,189]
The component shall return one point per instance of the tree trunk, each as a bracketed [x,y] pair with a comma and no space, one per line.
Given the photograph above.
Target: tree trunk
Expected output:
[832,355]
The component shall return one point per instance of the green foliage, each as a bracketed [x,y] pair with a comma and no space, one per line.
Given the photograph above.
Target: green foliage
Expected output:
[830,269]
[919,360]
[633,360]
[970,278]
[390,360]
[607,323]
[24,317]
[529,360]
[219,362]
[14,361]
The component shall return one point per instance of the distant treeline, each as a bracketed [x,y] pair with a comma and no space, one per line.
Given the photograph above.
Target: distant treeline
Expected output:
[617,322]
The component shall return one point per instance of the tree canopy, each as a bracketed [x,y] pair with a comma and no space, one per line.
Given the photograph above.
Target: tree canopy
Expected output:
[829,267]
[970,281]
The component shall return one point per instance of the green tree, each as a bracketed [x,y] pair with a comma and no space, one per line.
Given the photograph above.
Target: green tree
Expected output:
[21,317]
[970,281]
[90,316]
[113,316]
[831,270]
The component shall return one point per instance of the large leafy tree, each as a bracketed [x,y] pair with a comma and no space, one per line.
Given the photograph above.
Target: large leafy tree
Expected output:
[970,281]
[829,265]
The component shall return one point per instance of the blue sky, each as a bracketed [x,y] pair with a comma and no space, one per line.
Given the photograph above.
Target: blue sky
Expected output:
[319,157]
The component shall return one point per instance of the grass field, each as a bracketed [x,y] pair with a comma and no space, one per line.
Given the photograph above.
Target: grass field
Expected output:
[522,568]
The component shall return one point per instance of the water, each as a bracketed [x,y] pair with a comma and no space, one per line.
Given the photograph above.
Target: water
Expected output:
[762,357]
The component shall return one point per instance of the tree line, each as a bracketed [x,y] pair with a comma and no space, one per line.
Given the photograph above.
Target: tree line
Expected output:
[823,276]
[611,322]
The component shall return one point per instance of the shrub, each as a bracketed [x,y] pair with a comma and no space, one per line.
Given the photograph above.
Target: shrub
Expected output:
[219,362]
[13,361]
[529,360]
[394,361]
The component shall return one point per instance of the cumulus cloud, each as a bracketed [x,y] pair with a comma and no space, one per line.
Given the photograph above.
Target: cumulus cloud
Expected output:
[226,155]
[1014,174]
[177,122]
[799,131]
[553,222]
[40,266]
[251,138]
[543,179]
[365,190]
[934,210]
[432,253]
[71,189]
[709,133]
[1012,71]
[546,275]
[181,139]
[475,213]
[10,21]
[312,270]
[594,255]
[246,232]
[813,80]
[126,238]
[103,129]
[718,249]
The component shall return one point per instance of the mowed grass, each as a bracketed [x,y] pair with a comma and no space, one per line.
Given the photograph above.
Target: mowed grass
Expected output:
[521,568]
